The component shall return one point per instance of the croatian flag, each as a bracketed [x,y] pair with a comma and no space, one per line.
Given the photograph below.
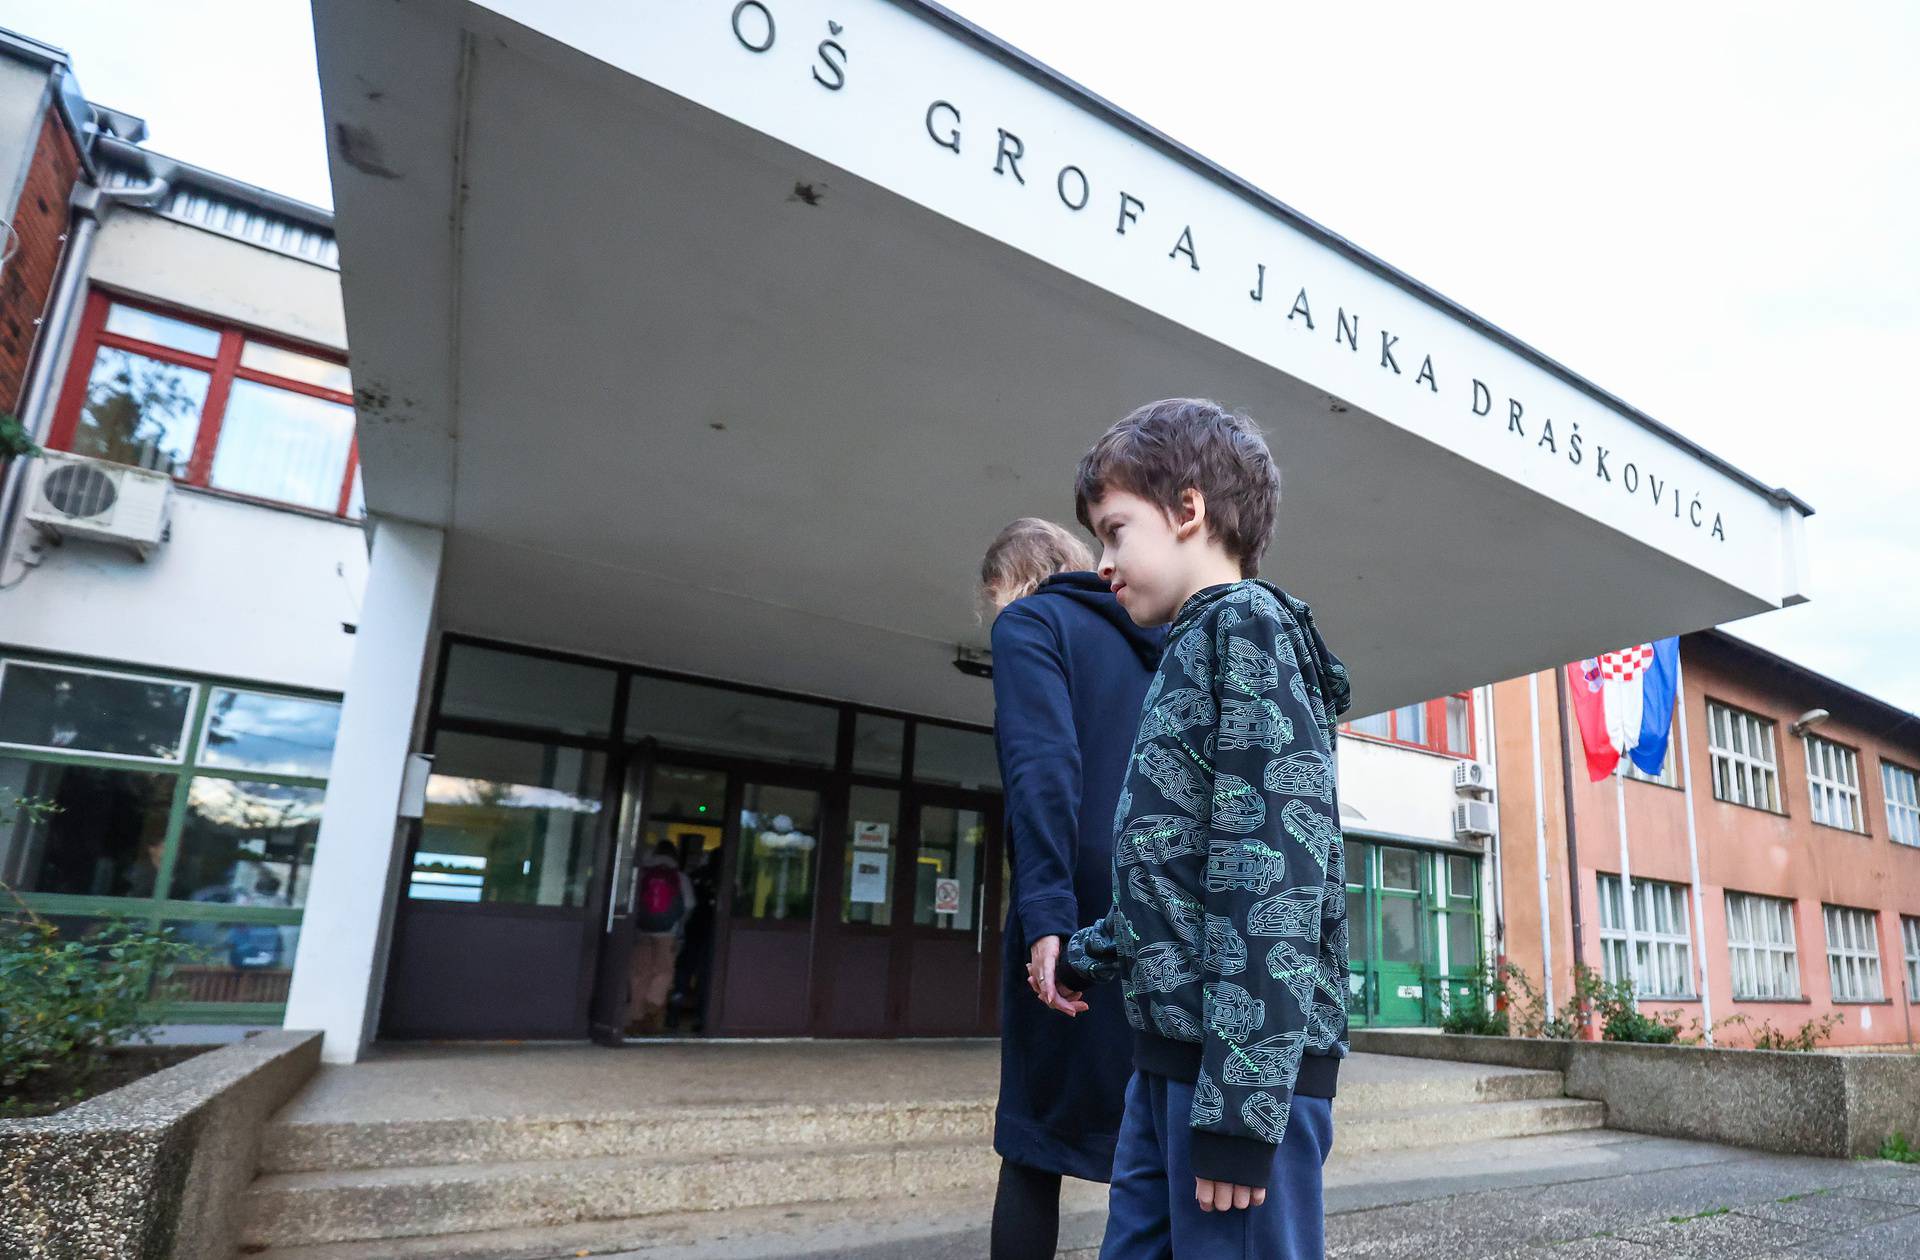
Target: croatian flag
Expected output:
[1624,702]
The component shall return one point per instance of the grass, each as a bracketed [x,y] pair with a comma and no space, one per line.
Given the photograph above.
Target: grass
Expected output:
[1699,1216]
[1806,1194]
[1898,1149]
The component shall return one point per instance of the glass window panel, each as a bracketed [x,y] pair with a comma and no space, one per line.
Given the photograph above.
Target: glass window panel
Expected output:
[104,836]
[1376,724]
[175,334]
[305,368]
[252,730]
[948,867]
[276,444]
[247,843]
[1359,862]
[949,755]
[879,744]
[357,498]
[507,820]
[79,711]
[1359,929]
[1463,942]
[1410,724]
[703,718]
[1460,880]
[779,827]
[1459,727]
[238,961]
[141,411]
[873,843]
[1399,868]
[1399,930]
[493,685]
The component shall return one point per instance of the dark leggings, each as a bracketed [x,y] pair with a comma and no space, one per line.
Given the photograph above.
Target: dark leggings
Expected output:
[1026,1213]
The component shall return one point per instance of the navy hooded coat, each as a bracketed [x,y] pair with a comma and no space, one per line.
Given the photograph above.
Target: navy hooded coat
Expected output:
[1070,670]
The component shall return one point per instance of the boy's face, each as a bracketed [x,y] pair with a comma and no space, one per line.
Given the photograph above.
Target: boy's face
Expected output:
[1143,556]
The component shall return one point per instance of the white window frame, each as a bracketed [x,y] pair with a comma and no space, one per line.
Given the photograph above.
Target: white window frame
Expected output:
[1669,775]
[50,751]
[1910,934]
[1853,954]
[1833,785]
[1746,768]
[1901,788]
[1662,954]
[1762,948]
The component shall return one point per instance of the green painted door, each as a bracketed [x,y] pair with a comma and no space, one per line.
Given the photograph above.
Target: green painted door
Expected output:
[1360,934]
[1456,926]
[1399,983]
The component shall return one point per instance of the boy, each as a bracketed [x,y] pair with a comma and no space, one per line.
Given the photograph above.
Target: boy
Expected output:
[1228,930]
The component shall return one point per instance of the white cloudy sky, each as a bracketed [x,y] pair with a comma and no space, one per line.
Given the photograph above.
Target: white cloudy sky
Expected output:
[1711,209]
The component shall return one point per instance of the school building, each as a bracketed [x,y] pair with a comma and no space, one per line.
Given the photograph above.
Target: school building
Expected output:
[696,352]
[1793,894]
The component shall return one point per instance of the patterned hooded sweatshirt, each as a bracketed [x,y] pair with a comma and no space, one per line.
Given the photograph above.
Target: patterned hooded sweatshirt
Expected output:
[1228,931]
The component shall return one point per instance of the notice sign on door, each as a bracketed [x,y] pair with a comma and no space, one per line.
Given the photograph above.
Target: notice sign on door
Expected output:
[868,883]
[1410,991]
[872,835]
[946,896]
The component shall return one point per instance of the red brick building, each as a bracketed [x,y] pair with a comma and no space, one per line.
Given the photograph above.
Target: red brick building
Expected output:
[1807,828]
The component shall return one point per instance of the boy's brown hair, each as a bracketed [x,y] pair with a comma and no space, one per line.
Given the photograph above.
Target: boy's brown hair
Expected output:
[1025,554]
[1165,448]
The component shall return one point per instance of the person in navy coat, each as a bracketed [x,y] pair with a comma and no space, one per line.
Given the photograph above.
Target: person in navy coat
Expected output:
[1070,670]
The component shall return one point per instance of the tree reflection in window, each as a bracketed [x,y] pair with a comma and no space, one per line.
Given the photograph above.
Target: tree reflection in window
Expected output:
[141,411]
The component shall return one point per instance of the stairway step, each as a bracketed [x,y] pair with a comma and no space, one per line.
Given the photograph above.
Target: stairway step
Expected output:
[1362,1093]
[300,1208]
[1448,1125]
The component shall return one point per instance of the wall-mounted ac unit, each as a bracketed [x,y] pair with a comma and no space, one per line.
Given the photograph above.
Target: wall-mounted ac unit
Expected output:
[1472,818]
[72,496]
[1472,776]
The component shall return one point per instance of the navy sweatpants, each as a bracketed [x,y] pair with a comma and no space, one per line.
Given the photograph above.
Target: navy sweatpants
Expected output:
[1151,1213]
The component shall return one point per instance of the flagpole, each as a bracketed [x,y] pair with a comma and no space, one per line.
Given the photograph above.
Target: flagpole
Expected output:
[1693,846]
[1540,845]
[1626,886]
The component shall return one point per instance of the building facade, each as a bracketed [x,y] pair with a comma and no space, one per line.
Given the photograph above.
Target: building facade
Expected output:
[1806,903]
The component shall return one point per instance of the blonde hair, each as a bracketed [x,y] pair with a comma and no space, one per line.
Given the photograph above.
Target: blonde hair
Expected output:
[1025,554]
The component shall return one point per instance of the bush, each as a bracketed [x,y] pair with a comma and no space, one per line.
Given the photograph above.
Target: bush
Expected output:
[1482,1012]
[1806,1038]
[65,1002]
[14,439]
[1898,1148]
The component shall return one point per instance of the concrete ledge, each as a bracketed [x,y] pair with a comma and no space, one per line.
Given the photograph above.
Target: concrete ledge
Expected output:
[1823,1103]
[155,1170]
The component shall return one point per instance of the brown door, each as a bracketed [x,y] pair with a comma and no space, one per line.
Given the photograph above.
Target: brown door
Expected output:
[769,890]
[947,938]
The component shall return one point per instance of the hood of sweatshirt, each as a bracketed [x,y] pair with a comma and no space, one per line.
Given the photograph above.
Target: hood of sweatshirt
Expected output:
[1091,591]
[1304,633]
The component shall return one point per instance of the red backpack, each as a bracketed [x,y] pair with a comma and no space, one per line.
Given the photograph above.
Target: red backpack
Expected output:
[662,902]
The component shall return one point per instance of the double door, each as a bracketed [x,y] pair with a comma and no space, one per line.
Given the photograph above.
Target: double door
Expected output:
[837,909]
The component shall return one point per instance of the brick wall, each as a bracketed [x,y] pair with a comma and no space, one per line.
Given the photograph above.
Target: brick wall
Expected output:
[41,220]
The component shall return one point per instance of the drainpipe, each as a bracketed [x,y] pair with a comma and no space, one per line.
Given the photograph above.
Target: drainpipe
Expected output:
[87,205]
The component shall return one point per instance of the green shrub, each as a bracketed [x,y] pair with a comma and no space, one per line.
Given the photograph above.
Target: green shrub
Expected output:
[1898,1148]
[1482,1012]
[14,440]
[64,1002]
[1766,1037]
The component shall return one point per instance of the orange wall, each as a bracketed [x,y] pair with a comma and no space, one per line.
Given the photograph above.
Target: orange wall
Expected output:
[1741,849]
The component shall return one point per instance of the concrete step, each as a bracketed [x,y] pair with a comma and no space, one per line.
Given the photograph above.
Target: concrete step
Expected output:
[1449,1124]
[288,1209]
[308,1146]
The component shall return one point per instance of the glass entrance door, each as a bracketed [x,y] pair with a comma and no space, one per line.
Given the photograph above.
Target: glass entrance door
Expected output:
[951,939]
[764,961]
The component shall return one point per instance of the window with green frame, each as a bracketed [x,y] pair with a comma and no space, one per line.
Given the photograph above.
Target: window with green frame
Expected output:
[181,801]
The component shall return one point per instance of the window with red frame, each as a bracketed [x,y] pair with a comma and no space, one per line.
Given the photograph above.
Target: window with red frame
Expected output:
[211,405]
[1444,725]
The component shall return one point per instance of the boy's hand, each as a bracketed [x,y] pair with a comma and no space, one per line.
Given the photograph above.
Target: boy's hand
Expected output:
[1043,962]
[1221,1196]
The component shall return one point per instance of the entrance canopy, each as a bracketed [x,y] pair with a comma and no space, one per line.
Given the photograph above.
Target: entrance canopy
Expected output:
[723,338]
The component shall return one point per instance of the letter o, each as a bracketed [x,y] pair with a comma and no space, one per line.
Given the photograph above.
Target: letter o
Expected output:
[741,35]
[1060,186]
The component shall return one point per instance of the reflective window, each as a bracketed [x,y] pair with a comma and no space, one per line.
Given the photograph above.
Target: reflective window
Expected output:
[879,744]
[524,689]
[252,730]
[948,872]
[1410,724]
[97,832]
[276,444]
[959,758]
[873,841]
[141,411]
[702,718]
[247,843]
[1460,880]
[245,961]
[174,334]
[1463,942]
[1459,726]
[81,711]
[1400,868]
[779,830]
[294,366]
[1399,930]
[1359,928]
[507,821]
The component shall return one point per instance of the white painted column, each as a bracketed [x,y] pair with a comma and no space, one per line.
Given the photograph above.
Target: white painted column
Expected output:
[350,896]
[1626,891]
[1693,851]
[1540,845]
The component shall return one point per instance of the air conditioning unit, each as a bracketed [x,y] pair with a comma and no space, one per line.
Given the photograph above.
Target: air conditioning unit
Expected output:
[1472,818]
[1472,776]
[72,496]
